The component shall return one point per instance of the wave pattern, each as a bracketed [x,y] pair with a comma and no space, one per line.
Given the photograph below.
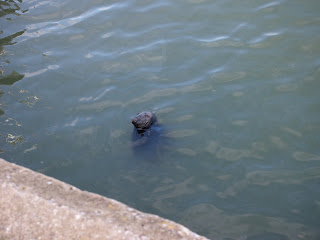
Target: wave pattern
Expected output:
[234,85]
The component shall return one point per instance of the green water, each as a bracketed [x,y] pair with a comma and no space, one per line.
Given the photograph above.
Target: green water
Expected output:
[235,87]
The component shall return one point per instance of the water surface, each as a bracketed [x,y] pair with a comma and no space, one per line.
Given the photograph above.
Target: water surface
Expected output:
[234,85]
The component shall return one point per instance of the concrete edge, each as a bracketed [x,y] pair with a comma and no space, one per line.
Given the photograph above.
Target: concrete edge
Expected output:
[35,206]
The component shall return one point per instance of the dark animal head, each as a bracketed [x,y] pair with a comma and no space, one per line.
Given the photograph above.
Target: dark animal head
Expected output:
[143,121]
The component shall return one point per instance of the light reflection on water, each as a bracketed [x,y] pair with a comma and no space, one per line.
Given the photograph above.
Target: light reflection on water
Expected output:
[234,86]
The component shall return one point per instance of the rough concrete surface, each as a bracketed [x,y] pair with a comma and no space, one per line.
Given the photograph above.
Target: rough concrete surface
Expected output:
[34,206]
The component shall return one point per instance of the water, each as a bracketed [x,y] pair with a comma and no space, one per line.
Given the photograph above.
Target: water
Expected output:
[234,85]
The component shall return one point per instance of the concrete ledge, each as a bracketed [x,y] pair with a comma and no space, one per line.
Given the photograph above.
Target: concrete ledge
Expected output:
[34,206]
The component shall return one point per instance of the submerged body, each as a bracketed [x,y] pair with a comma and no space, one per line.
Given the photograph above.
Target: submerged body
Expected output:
[146,134]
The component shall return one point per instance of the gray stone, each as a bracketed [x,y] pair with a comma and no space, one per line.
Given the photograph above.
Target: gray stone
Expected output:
[34,206]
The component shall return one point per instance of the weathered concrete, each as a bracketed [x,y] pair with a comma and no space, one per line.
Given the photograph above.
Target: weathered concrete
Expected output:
[34,206]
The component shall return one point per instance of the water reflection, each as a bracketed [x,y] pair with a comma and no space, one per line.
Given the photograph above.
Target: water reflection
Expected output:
[305,157]
[1,111]
[14,76]
[245,226]
[230,154]
[222,43]
[292,131]
[8,40]
[278,142]
[239,121]
[10,136]
[187,151]
[32,74]
[10,7]
[228,77]
[181,133]
[266,178]
[11,78]
[91,105]
[163,195]
[8,79]
[38,29]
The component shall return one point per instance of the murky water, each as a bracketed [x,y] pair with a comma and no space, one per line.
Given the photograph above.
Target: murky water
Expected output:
[235,87]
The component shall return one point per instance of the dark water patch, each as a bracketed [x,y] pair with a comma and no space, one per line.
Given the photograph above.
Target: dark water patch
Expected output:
[11,7]
[11,78]
[6,41]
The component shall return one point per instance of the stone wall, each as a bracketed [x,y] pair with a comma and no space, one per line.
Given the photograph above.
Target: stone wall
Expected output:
[34,206]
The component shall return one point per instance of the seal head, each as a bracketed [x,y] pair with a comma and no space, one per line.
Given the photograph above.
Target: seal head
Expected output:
[143,121]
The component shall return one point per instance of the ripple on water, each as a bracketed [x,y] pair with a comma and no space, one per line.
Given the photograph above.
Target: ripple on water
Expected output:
[265,37]
[152,6]
[196,1]
[153,94]
[207,216]
[187,151]
[98,106]
[38,72]
[259,146]
[305,157]
[278,142]
[228,76]
[224,177]
[166,110]
[222,43]
[238,94]
[287,87]
[240,123]
[184,118]
[181,133]
[162,194]
[166,92]
[230,154]
[117,133]
[268,5]
[265,178]
[292,131]
[38,29]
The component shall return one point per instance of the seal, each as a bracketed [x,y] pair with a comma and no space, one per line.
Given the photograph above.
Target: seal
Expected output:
[143,121]
[147,134]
